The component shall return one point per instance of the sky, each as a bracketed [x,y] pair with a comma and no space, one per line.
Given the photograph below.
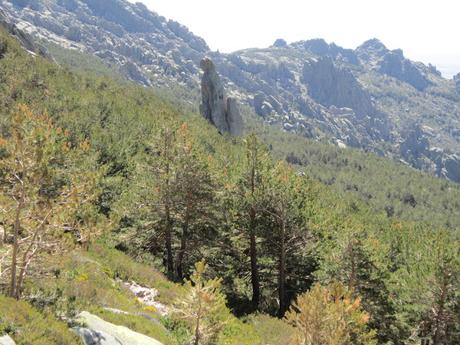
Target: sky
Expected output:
[426,30]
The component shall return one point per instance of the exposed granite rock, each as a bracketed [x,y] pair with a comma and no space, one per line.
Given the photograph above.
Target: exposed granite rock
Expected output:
[322,48]
[415,144]
[219,110]
[452,167]
[375,55]
[457,82]
[417,151]
[395,65]
[6,340]
[147,296]
[335,86]
[26,40]
[133,72]
[371,51]
[280,43]
[100,332]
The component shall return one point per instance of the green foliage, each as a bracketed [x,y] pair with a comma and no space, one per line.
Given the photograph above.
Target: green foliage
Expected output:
[27,326]
[140,324]
[203,307]
[344,216]
[45,196]
[386,186]
[427,283]
[329,315]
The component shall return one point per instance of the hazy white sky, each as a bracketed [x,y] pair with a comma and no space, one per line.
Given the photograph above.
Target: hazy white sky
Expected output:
[426,30]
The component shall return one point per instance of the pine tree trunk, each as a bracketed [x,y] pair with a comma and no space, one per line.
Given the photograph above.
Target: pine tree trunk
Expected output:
[169,252]
[253,243]
[14,258]
[197,328]
[168,235]
[437,337]
[254,266]
[282,272]
[181,253]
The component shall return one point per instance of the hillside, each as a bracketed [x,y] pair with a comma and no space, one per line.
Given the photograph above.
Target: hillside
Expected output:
[369,98]
[155,188]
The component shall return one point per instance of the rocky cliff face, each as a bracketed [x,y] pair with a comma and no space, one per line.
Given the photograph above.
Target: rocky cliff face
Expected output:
[329,85]
[26,40]
[457,82]
[148,48]
[417,151]
[374,55]
[219,110]
[364,98]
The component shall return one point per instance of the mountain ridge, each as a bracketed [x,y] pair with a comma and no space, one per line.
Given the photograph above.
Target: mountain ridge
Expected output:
[364,98]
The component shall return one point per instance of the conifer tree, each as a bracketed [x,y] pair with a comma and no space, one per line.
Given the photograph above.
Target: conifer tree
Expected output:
[203,307]
[45,193]
[285,220]
[193,196]
[250,194]
[330,316]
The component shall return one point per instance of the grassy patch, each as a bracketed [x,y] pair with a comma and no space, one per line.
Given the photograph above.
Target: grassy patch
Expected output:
[28,326]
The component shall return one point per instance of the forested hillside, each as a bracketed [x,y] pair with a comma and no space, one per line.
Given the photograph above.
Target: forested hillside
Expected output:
[105,183]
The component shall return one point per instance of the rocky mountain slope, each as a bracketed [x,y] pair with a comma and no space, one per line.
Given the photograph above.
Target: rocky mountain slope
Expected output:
[371,98]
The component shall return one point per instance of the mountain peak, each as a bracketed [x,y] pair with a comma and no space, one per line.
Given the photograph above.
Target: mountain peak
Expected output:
[371,51]
[373,44]
[280,43]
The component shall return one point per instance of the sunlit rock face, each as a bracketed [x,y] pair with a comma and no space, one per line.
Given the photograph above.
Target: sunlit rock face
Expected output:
[219,110]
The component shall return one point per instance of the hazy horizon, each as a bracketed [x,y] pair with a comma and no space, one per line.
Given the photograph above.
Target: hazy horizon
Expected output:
[426,31]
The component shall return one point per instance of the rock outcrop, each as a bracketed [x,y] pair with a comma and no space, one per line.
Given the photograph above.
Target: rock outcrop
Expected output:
[6,340]
[329,85]
[99,332]
[25,39]
[417,151]
[371,51]
[280,43]
[321,48]
[395,65]
[457,82]
[132,72]
[219,110]
[375,55]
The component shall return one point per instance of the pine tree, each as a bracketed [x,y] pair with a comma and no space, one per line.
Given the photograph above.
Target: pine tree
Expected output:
[330,316]
[285,232]
[193,196]
[249,194]
[45,193]
[203,307]
[347,257]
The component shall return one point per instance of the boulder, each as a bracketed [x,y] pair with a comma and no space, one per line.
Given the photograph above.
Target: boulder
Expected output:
[6,340]
[99,332]
[220,111]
